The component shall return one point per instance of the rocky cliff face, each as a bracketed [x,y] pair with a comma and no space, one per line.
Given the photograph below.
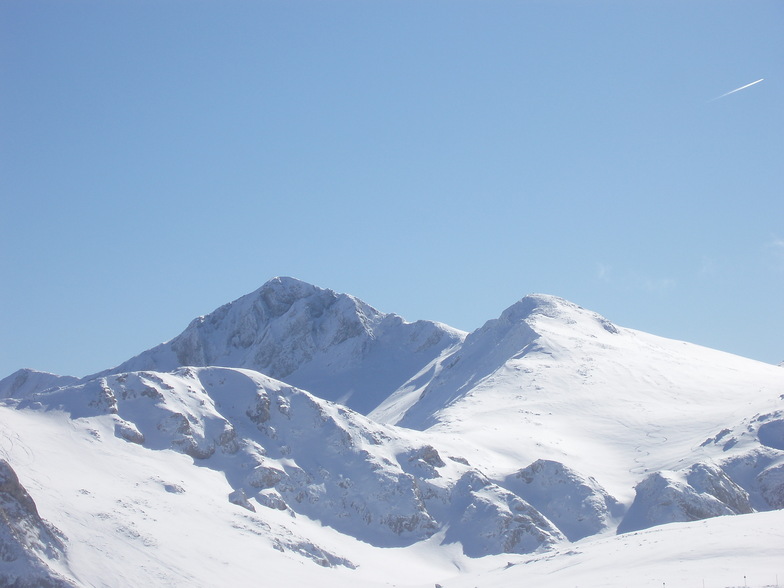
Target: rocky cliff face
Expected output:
[30,549]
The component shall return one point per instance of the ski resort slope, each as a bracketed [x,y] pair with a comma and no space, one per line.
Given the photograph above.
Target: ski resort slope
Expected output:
[549,379]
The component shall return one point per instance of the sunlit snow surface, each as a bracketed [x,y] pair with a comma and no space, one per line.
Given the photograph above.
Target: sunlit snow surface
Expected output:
[508,457]
[569,386]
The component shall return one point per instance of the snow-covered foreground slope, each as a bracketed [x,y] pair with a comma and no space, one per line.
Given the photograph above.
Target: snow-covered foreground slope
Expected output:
[725,552]
[132,519]
[509,456]
[131,515]
[285,450]
[213,476]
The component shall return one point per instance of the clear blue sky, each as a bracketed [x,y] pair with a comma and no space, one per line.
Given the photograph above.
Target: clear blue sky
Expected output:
[438,159]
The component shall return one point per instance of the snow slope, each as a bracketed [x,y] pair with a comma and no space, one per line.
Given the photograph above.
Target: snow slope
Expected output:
[509,456]
[130,520]
[550,380]
[724,552]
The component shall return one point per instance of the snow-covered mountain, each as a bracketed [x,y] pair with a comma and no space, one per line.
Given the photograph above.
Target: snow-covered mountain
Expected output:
[300,431]
[549,379]
[331,344]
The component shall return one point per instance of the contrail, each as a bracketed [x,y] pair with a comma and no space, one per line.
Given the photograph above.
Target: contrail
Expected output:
[739,89]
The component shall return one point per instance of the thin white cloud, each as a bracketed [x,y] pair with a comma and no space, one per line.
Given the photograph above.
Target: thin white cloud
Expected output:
[776,246]
[739,89]
[603,272]
[658,285]
[708,267]
[634,280]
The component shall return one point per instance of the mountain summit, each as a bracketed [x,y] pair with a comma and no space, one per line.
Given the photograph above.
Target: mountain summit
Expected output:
[334,345]
[537,324]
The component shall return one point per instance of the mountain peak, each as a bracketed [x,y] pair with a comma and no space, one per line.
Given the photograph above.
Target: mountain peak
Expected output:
[543,304]
[537,324]
[533,306]
[281,293]
[283,285]
[287,282]
[334,345]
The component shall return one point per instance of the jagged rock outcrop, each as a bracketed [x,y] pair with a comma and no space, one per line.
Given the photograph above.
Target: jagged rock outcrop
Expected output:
[159,411]
[491,520]
[711,480]
[577,505]
[748,468]
[756,454]
[703,491]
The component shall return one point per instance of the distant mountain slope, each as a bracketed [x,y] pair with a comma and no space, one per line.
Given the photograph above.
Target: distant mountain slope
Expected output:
[26,381]
[333,345]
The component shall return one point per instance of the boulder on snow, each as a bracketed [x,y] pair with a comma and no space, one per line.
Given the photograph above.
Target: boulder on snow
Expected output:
[263,477]
[238,497]
[128,431]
